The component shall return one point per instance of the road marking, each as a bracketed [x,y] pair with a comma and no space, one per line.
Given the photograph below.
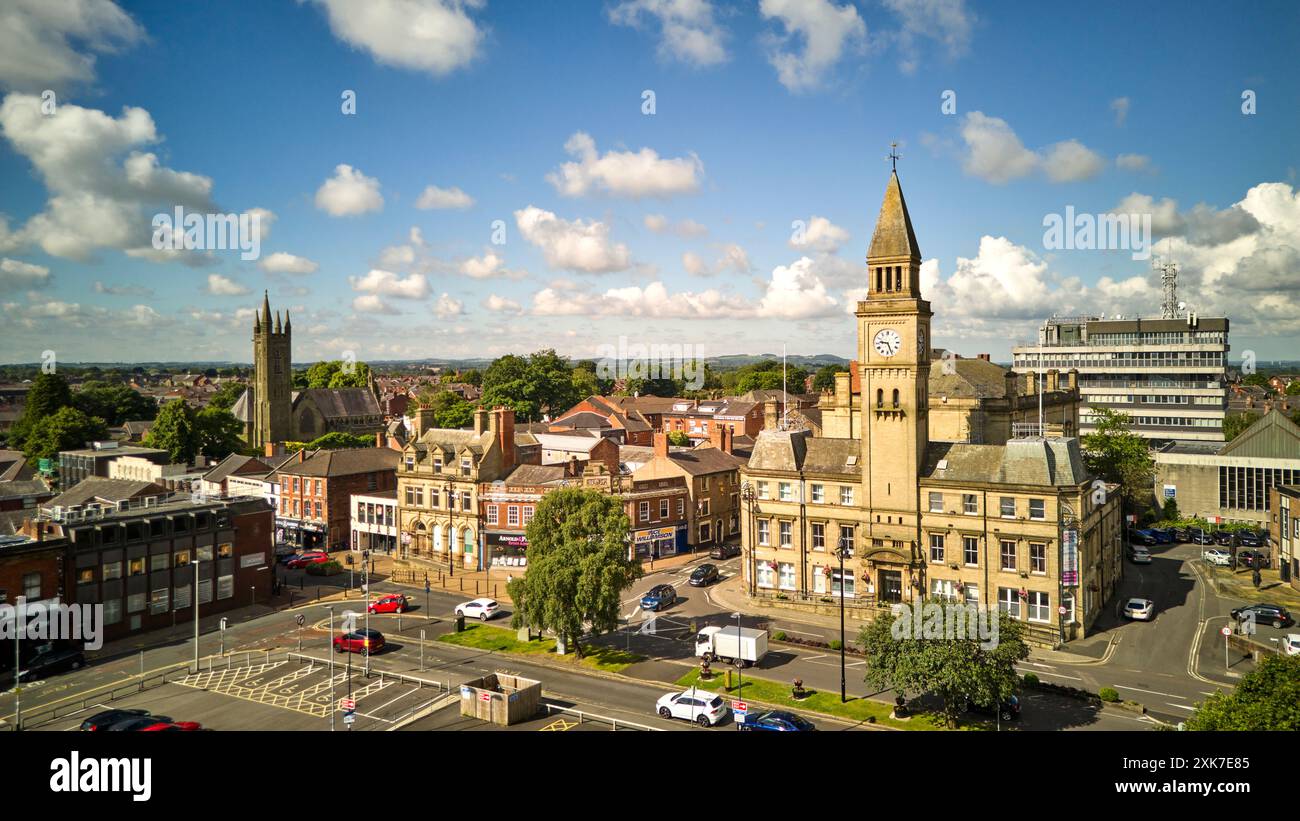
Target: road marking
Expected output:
[821,656]
[559,725]
[1181,706]
[1152,692]
[1039,664]
[1059,675]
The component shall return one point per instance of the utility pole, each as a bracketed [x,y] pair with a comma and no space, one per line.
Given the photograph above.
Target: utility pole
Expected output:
[196,615]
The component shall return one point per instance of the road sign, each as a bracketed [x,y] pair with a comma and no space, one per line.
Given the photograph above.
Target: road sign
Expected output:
[486,697]
[349,718]
[348,704]
[426,585]
[740,707]
[1060,611]
[300,619]
[1227,631]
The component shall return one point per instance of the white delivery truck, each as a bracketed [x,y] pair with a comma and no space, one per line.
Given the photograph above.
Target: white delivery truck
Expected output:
[744,646]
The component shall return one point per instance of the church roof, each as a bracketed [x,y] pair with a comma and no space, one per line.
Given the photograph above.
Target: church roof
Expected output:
[339,403]
[240,409]
[894,236]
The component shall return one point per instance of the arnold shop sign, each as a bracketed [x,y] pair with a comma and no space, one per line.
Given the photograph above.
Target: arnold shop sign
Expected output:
[658,541]
[507,544]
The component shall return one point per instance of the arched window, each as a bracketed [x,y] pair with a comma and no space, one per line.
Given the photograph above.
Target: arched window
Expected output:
[437,538]
[880,397]
[879,282]
[898,277]
[895,397]
[469,540]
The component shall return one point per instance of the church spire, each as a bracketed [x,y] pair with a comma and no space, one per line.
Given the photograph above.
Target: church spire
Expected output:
[278,329]
[287,325]
[266,310]
[894,257]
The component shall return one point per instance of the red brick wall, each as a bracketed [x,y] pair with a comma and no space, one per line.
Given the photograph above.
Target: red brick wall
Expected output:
[47,562]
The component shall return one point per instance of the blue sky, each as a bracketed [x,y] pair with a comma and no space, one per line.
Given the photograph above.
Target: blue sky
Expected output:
[668,227]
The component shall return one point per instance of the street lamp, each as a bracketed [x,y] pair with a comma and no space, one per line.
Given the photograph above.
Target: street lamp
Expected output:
[451,529]
[196,615]
[331,656]
[747,493]
[842,552]
[740,662]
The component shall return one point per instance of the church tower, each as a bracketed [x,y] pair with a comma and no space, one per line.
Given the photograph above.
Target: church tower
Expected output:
[270,394]
[894,369]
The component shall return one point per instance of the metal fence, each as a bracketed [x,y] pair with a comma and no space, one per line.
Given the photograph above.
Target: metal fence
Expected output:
[583,717]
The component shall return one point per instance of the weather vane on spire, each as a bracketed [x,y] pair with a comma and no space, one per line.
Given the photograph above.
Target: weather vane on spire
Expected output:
[894,156]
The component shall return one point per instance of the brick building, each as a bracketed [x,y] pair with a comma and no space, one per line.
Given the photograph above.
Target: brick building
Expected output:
[712,478]
[316,493]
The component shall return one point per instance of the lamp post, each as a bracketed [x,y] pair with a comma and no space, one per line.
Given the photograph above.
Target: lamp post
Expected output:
[740,662]
[196,615]
[331,654]
[365,590]
[451,529]
[747,494]
[841,552]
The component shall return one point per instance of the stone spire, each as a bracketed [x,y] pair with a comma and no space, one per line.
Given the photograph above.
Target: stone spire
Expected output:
[287,324]
[278,329]
[894,237]
[266,310]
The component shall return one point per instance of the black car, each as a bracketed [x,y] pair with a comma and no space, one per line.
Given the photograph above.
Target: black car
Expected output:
[704,575]
[1181,534]
[106,719]
[780,721]
[724,551]
[1144,537]
[1201,537]
[52,661]
[1274,614]
[1006,710]
[1253,558]
[1248,538]
[1223,537]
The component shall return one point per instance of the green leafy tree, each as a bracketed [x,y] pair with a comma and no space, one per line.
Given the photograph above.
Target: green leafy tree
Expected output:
[767,375]
[49,392]
[338,440]
[114,404]
[824,379]
[1170,511]
[955,669]
[227,395]
[1116,454]
[578,566]
[175,432]
[450,410]
[65,429]
[1235,423]
[218,432]
[1267,698]
[1293,388]
[679,438]
[473,376]
[357,378]
[1255,379]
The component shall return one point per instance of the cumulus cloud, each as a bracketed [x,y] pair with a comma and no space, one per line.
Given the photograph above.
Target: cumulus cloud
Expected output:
[434,197]
[572,245]
[386,283]
[283,263]
[1200,225]
[122,290]
[731,257]
[18,275]
[687,229]
[101,185]
[219,285]
[654,300]
[349,192]
[995,154]
[688,32]
[947,21]
[433,36]
[489,264]
[821,235]
[796,292]
[37,41]
[623,173]
[446,307]
[372,304]
[1133,162]
[503,305]
[822,29]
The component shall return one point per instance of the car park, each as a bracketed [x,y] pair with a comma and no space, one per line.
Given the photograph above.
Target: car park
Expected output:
[702,707]
[393,603]
[1181,534]
[359,641]
[659,597]
[1274,614]
[724,551]
[1006,710]
[50,662]
[1140,609]
[781,721]
[1217,556]
[481,609]
[704,575]
[1248,538]
[106,719]
[304,559]
[1161,535]
[1223,537]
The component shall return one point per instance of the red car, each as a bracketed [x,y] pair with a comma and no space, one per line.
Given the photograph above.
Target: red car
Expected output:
[310,557]
[187,726]
[396,603]
[359,641]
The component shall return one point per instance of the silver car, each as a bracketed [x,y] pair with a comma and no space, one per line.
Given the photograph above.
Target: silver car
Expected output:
[1140,609]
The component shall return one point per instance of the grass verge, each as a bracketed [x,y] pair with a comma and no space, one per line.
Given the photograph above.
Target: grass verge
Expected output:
[500,640]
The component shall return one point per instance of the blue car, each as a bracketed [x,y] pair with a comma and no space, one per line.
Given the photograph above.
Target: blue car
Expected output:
[777,721]
[1145,537]
[659,597]
[1161,536]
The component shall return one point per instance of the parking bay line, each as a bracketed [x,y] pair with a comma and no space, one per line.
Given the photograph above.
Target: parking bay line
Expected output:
[1152,692]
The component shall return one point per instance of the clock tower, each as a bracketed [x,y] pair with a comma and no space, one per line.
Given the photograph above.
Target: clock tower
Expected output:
[894,369]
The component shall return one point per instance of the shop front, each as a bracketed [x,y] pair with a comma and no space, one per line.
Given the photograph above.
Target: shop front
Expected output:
[506,547]
[297,534]
[654,542]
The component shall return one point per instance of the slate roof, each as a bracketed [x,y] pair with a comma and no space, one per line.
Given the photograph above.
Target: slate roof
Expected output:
[13,466]
[102,489]
[1042,462]
[971,379]
[23,487]
[338,403]
[343,462]
[535,475]
[705,461]
[795,450]
[1272,436]
[236,463]
[894,236]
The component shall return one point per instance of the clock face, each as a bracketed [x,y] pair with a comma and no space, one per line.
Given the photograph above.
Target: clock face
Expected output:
[920,342]
[888,342]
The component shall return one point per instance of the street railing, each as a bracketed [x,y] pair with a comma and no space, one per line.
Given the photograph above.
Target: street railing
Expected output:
[584,716]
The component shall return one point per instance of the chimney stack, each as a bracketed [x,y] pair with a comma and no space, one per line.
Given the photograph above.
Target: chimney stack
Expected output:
[481,419]
[983,356]
[771,416]
[1053,380]
[502,423]
[1031,383]
[1072,380]
[379,439]
[661,445]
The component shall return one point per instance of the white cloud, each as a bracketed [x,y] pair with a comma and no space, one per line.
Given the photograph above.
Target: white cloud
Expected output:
[372,304]
[824,29]
[500,304]
[1071,161]
[283,263]
[122,290]
[1133,162]
[35,52]
[1120,105]
[623,173]
[731,257]
[219,285]
[349,192]
[447,307]
[434,197]
[98,198]
[695,264]
[387,283]
[574,246]
[688,32]
[1164,214]
[489,264]
[652,301]
[820,234]
[796,292]
[435,36]
[686,228]
[947,21]
[16,274]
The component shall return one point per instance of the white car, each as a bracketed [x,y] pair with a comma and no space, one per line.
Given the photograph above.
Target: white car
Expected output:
[700,706]
[1291,644]
[1215,556]
[481,609]
[1140,557]
[1140,609]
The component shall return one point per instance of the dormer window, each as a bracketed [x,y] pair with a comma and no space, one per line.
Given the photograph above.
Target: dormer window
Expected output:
[465,466]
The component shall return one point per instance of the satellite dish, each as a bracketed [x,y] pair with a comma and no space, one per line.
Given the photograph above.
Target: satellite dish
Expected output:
[1182,306]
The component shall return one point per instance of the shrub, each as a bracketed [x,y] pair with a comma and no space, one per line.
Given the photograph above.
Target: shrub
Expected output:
[779,635]
[1031,680]
[1109,694]
[329,568]
[836,644]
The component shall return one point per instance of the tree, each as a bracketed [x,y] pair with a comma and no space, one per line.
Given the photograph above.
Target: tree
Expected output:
[769,375]
[1255,379]
[578,566]
[1116,454]
[679,438]
[49,392]
[65,429]
[1267,698]
[651,387]
[450,410]
[227,395]
[1293,388]
[114,404]
[824,380]
[333,374]
[218,432]
[473,376]
[1235,423]
[174,431]
[338,440]
[957,669]
[1170,511]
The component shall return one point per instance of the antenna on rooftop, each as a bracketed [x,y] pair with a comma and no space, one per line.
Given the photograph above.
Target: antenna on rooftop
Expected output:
[1169,306]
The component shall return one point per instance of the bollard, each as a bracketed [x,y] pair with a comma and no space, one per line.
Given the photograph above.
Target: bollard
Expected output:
[476,588]
[728,678]
[462,583]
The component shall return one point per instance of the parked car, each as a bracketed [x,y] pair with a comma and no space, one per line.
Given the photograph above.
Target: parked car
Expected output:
[310,557]
[704,575]
[1223,537]
[134,724]
[659,597]
[1200,537]
[1005,710]
[106,719]
[1218,556]
[481,609]
[49,662]
[1248,538]
[1274,614]
[1140,557]
[724,551]
[780,721]
[1140,609]
[1291,644]
[1181,534]
[1145,537]
[1253,558]
[1161,535]
[172,726]
[359,641]
[393,603]
[702,707]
